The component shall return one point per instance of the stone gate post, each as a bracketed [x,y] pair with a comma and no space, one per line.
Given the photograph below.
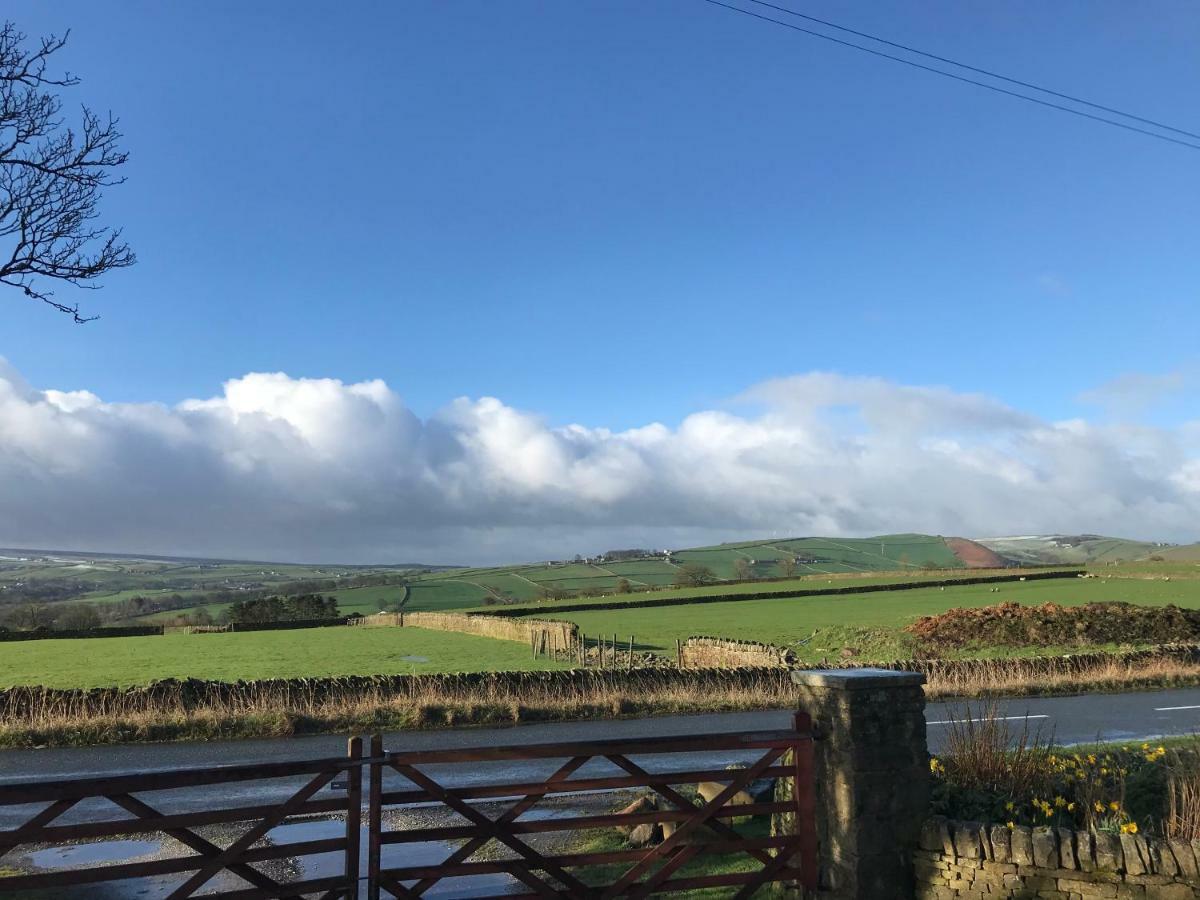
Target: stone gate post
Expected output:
[872,778]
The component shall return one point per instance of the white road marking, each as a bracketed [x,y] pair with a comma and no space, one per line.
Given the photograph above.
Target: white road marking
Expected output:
[1173,708]
[1000,718]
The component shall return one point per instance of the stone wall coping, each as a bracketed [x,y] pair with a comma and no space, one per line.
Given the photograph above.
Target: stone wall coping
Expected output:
[856,679]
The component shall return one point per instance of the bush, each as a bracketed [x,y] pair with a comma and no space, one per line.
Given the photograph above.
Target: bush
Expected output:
[299,608]
[1014,625]
[694,575]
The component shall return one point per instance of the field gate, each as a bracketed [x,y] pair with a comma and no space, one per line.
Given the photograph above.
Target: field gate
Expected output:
[493,833]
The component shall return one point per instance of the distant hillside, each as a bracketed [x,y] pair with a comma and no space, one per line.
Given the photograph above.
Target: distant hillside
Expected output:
[1188,553]
[48,556]
[821,555]
[152,589]
[762,559]
[1074,549]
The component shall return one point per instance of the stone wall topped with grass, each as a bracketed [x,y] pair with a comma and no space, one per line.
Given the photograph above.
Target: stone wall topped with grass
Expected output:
[974,860]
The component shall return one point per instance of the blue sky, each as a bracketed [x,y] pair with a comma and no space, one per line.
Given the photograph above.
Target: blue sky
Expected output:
[859,298]
[619,212]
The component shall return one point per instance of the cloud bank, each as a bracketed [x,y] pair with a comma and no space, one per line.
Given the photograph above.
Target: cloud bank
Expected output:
[314,469]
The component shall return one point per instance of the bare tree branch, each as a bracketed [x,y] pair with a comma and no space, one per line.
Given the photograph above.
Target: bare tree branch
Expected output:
[52,178]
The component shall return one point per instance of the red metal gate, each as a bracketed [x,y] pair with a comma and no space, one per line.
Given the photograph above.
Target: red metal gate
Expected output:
[640,872]
[152,813]
[141,805]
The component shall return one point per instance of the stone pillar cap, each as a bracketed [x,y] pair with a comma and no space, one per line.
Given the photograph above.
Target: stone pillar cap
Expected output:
[856,679]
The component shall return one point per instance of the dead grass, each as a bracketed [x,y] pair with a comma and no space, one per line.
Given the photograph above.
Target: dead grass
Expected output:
[432,705]
[1182,820]
[985,753]
[1026,677]
[208,711]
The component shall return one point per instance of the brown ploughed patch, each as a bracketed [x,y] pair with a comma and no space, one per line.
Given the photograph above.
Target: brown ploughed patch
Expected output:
[973,555]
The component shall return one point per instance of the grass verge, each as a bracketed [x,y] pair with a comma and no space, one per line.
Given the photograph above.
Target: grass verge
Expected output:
[704,864]
[437,704]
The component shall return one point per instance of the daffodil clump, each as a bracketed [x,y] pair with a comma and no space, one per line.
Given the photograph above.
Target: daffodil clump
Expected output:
[1081,790]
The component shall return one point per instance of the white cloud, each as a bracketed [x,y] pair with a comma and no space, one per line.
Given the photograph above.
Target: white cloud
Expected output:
[1134,392]
[283,468]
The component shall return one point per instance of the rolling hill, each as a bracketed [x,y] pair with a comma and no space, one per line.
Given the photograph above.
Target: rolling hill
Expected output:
[1075,549]
[175,587]
[762,559]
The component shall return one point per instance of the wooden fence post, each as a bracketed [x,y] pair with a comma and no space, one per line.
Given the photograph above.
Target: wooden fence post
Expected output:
[353,816]
[375,818]
[629,666]
[678,653]
[804,799]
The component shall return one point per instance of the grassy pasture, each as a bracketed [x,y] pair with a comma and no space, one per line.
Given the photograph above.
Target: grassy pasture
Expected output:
[1171,568]
[801,583]
[314,652]
[117,596]
[829,555]
[443,596]
[570,571]
[508,584]
[171,615]
[905,552]
[365,600]
[871,623]
[423,597]
[1188,554]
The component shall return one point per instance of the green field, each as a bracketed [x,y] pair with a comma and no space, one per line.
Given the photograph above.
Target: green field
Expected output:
[803,583]
[460,588]
[870,623]
[313,652]
[815,627]
[117,596]
[168,616]
[827,555]
[106,581]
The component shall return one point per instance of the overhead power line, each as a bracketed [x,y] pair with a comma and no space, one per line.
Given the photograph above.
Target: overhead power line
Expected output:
[962,78]
[962,65]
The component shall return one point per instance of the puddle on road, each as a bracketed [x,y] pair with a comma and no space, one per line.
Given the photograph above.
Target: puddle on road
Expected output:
[103,852]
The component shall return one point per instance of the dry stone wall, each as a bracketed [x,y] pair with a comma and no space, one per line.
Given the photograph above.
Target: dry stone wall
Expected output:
[785,594]
[726,653]
[974,861]
[32,704]
[561,634]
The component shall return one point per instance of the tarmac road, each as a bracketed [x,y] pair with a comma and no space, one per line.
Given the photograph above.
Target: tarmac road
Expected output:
[1074,719]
